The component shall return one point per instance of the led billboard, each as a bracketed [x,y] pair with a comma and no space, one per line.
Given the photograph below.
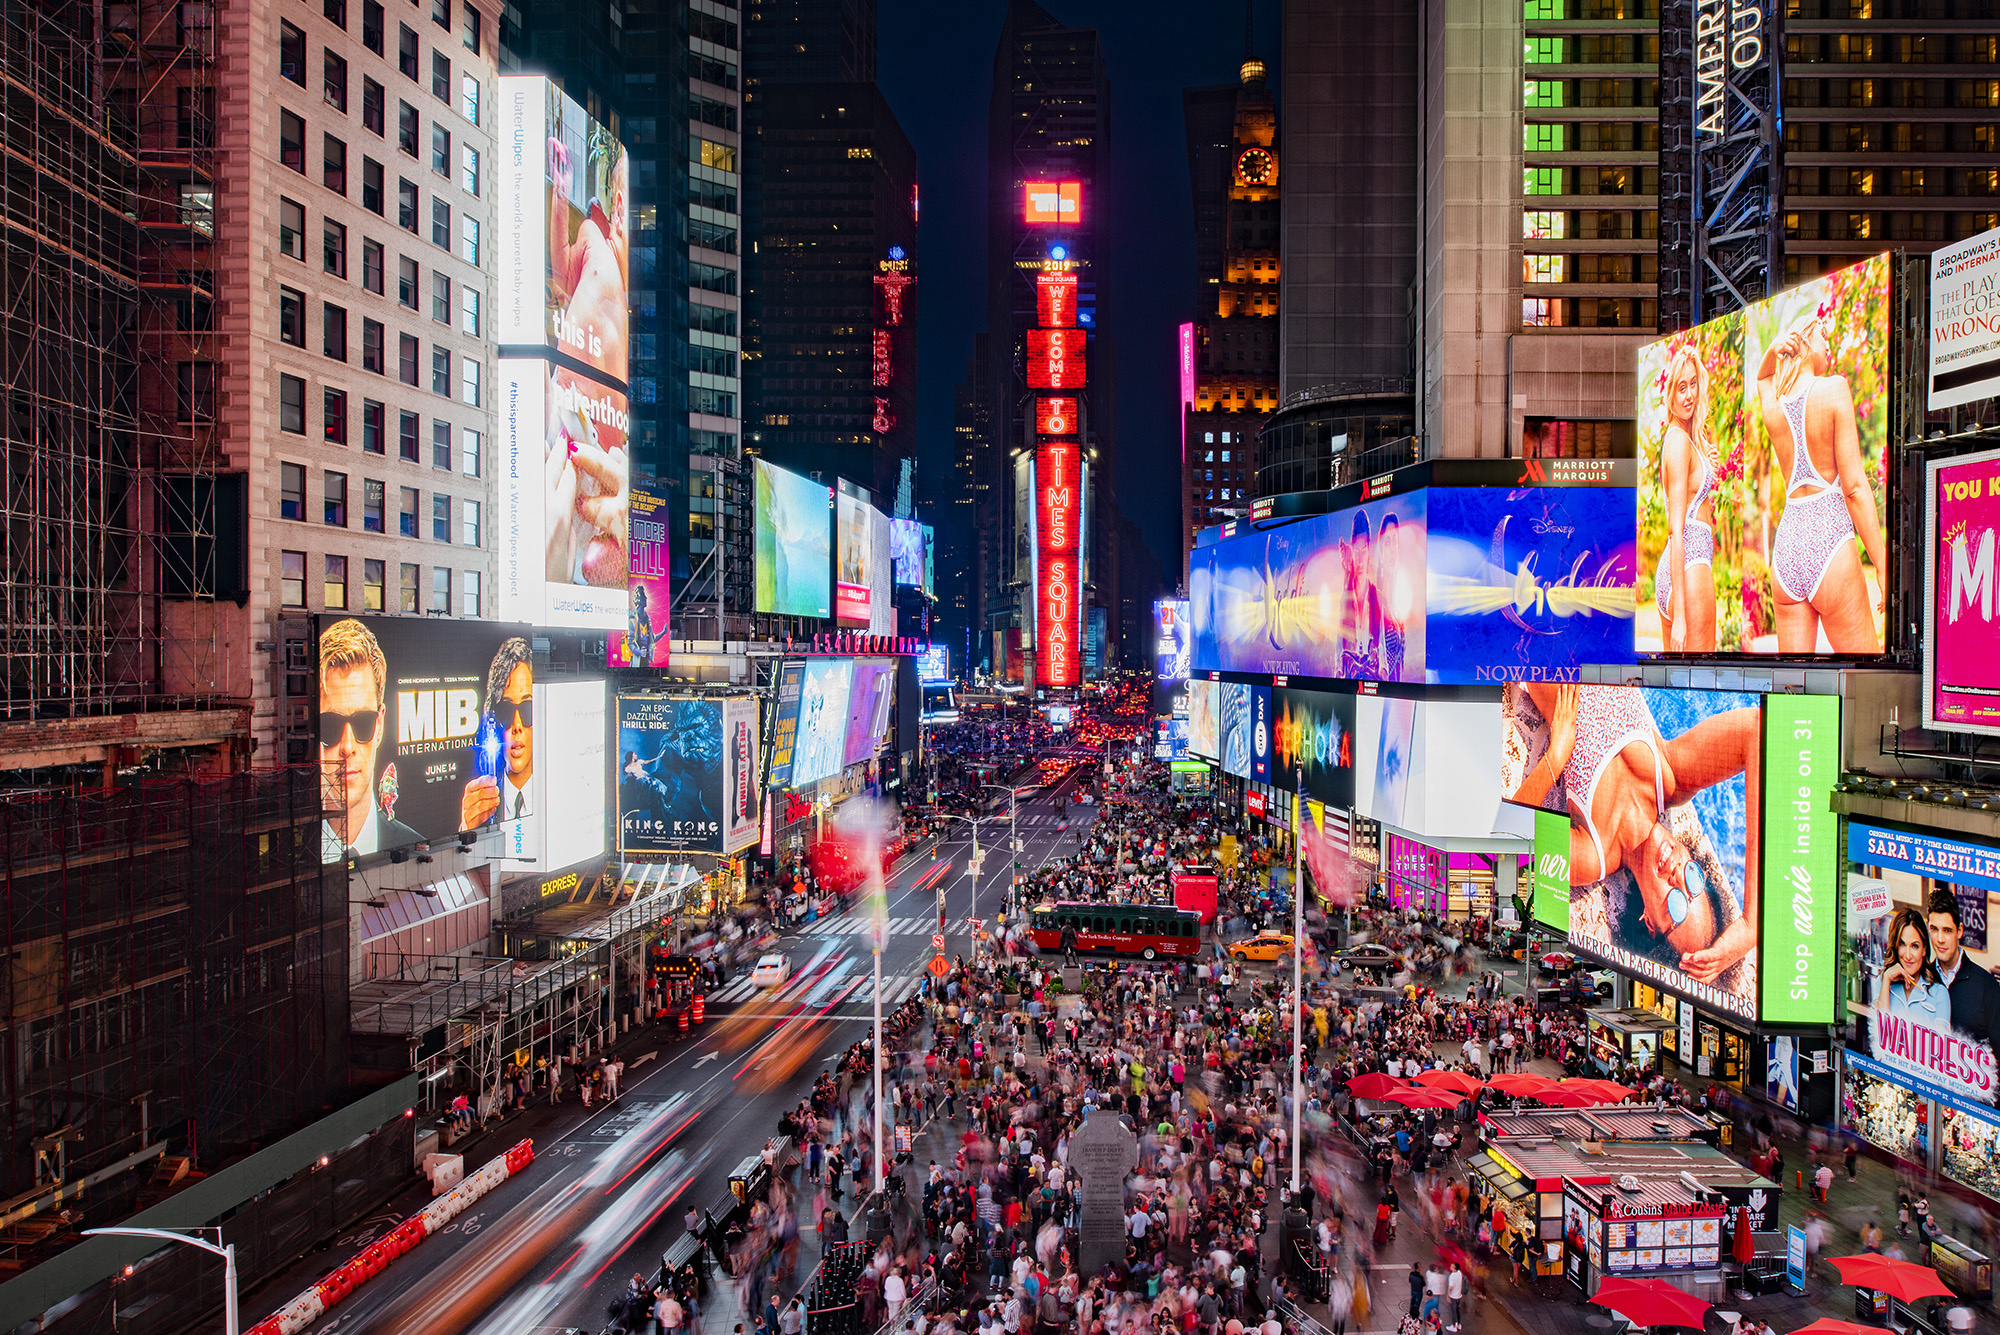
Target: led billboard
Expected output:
[426,729]
[821,748]
[1056,359]
[1055,300]
[785,724]
[564,497]
[1551,876]
[854,576]
[1965,321]
[909,552]
[1055,417]
[1312,739]
[794,540]
[1052,201]
[1172,644]
[644,641]
[1058,583]
[870,697]
[934,664]
[671,775]
[1204,706]
[1762,438]
[1961,643]
[573,812]
[881,576]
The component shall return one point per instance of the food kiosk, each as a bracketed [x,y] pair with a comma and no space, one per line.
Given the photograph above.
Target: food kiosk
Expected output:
[1633,1227]
[1617,1036]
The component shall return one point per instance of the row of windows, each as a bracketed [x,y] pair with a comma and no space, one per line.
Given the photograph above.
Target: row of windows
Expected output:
[1547,10]
[1942,93]
[374,196]
[374,593]
[334,502]
[1590,312]
[471,29]
[1590,268]
[1891,137]
[333,253]
[1814,225]
[1595,49]
[292,55]
[1591,137]
[333,326]
[1890,48]
[1889,9]
[198,405]
[1592,93]
[1909,181]
[1590,224]
[1590,181]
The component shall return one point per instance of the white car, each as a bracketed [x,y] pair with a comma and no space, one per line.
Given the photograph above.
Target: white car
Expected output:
[770,970]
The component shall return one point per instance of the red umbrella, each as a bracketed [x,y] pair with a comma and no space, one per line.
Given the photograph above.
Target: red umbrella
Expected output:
[1651,1302]
[1827,1325]
[1563,1097]
[1462,1081]
[1520,1084]
[1742,1245]
[1427,1098]
[1899,1279]
[1605,1089]
[1374,1085]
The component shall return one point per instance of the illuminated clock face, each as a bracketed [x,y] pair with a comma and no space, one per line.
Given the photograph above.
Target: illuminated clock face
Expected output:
[1256,166]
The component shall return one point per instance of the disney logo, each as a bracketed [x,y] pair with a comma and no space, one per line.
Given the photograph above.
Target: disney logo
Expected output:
[1546,528]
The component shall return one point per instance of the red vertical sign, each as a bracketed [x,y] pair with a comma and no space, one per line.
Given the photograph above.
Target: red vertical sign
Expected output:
[1055,359]
[1055,300]
[1058,515]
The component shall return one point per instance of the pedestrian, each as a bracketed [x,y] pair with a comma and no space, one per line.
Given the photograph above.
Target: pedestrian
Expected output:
[1823,1180]
[1416,1289]
[1850,1152]
[1454,1292]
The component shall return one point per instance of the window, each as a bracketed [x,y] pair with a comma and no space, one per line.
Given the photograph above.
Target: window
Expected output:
[406,51]
[440,222]
[334,504]
[468,381]
[471,29]
[292,141]
[371,266]
[708,153]
[371,25]
[336,582]
[441,517]
[334,77]
[291,491]
[406,282]
[406,519]
[406,205]
[408,126]
[469,452]
[374,503]
[406,588]
[333,415]
[291,228]
[335,12]
[197,391]
[292,579]
[333,163]
[292,53]
[333,248]
[408,425]
[468,522]
[468,242]
[441,444]
[441,13]
[440,369]
[374,426]
[374,101]
[371,187]
[468,95]
[440,297]
[468,599]
[407,358]
[441,77]
[468,169]
[440,149]
[292,404]
[333,330]
[371,585]
[292,316]
[441,591]
[468,310]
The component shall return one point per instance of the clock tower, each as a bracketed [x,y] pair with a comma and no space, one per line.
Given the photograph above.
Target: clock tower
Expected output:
[1230,356]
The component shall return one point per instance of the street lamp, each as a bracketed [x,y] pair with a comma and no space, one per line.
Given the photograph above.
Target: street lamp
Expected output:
[973,866]
[1013,840]
[227,1251]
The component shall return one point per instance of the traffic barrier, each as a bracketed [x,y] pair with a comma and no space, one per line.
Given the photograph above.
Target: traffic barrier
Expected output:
[379,1255]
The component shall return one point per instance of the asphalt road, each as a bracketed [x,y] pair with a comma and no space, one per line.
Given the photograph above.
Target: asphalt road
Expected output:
[552,1247]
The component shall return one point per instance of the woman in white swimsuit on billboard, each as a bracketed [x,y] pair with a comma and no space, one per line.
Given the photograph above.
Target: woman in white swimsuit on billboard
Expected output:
[1815,565]
[1684,583]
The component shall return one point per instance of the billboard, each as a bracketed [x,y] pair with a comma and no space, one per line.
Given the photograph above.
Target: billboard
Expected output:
[1961,644]
[1527,583]
[1965,321]
[870,697]
[1056,359]
[1313,738]
[853,581]
[910,553]
[564,322]
[671,790]
[573,772]
[785,724]
[1055,300]
[1551,875]
[426,728]
[1700,853]
[794,537]
[1055,417]
[1052,202]
[643,642]
[1204,707]
[821,748]
[1172,642]
[1058,582]
[881,576]
[1762,440]
[934,664]
[1243,722]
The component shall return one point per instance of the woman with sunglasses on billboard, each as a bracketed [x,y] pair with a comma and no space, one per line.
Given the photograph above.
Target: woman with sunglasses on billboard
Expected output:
[1684,583]
[1829,500]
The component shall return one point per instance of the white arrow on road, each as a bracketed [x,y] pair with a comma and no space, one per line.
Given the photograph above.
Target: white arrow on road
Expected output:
[700,1062]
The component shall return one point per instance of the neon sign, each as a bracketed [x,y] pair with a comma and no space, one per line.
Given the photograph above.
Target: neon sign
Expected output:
[1055,300]
[1055,417]
[890,286]
[1058,514]
[1052,201]
[1055,359]
[884,366]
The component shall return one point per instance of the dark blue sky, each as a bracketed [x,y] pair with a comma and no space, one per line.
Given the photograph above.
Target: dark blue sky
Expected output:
[936,68]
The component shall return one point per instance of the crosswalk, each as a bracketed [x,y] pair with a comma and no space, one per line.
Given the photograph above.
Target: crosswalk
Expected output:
[823,989]
[856,924]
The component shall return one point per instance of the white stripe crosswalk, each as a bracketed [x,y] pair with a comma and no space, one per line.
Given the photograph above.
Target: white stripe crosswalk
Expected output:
[856,924]
[821,990]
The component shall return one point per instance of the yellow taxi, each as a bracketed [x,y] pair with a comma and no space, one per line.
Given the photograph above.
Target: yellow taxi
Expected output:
[1263,946]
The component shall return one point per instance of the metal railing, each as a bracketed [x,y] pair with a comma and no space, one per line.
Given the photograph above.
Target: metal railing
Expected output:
[1349,389]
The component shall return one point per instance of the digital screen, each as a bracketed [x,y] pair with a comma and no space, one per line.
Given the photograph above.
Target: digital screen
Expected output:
[853,580]
[785,727]
[1241,708]
[1172,640]
[934,663]
[573,807]
[1961,646]
[564,497]
[1055,417]
[1313,737]
[869,700]
[1052,202]
[1055,300]
[794,538]
[1056,359]
[1058,548]
[670,774]
[644,641]
[822,731]
[881,576]
[1551,874]
[1204,707]
[907,541]
[426,728]
[1761,483]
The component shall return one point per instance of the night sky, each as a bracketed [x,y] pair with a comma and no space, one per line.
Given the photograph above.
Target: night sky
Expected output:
[936,69]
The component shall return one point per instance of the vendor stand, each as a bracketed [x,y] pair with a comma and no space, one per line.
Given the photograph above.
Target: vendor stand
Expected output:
[1641,1228]
[1617,1036]
[1533,1219]
[1968,1273]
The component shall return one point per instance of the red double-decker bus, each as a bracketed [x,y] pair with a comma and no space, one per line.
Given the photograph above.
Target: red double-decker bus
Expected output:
[1150,931]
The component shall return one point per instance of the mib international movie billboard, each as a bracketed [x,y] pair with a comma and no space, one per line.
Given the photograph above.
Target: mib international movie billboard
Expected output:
[1702,854]
[793,565]
[1762,447]
[687,774]
[565,468]
[426,729]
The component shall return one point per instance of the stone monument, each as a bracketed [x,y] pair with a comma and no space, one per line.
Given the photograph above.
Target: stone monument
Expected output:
[1103,1152]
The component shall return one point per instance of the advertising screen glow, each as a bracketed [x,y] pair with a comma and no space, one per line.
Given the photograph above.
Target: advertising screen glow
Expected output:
[869,699]
[1055,300]
[644,641]
[1052,202]
[785,725]
[1961,640]
[881,576]
[670,774]
[1055,417]
[573,761]
[1172,644]
[1056,359]
[1204,730]
[822,729]
[1058,587]
[934,664]
[1965,321]
[794,537]
[852,591]
[1761,483]
[1312,737]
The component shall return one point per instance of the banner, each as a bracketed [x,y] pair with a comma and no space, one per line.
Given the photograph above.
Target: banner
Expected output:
[1961,642]
[671,775]
[1801,859]
[644,640]
[1551,907]
[1965,321]
[785,727]
[742,818]
[1313,734]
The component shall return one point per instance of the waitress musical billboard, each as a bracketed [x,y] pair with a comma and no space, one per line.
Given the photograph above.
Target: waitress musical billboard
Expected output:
[1961,645]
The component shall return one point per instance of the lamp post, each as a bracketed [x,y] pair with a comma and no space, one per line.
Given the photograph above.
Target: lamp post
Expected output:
[227,1251]
[1013,840]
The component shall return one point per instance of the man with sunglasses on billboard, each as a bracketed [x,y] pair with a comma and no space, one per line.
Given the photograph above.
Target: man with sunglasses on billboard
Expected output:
[507,734]
[353,683]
